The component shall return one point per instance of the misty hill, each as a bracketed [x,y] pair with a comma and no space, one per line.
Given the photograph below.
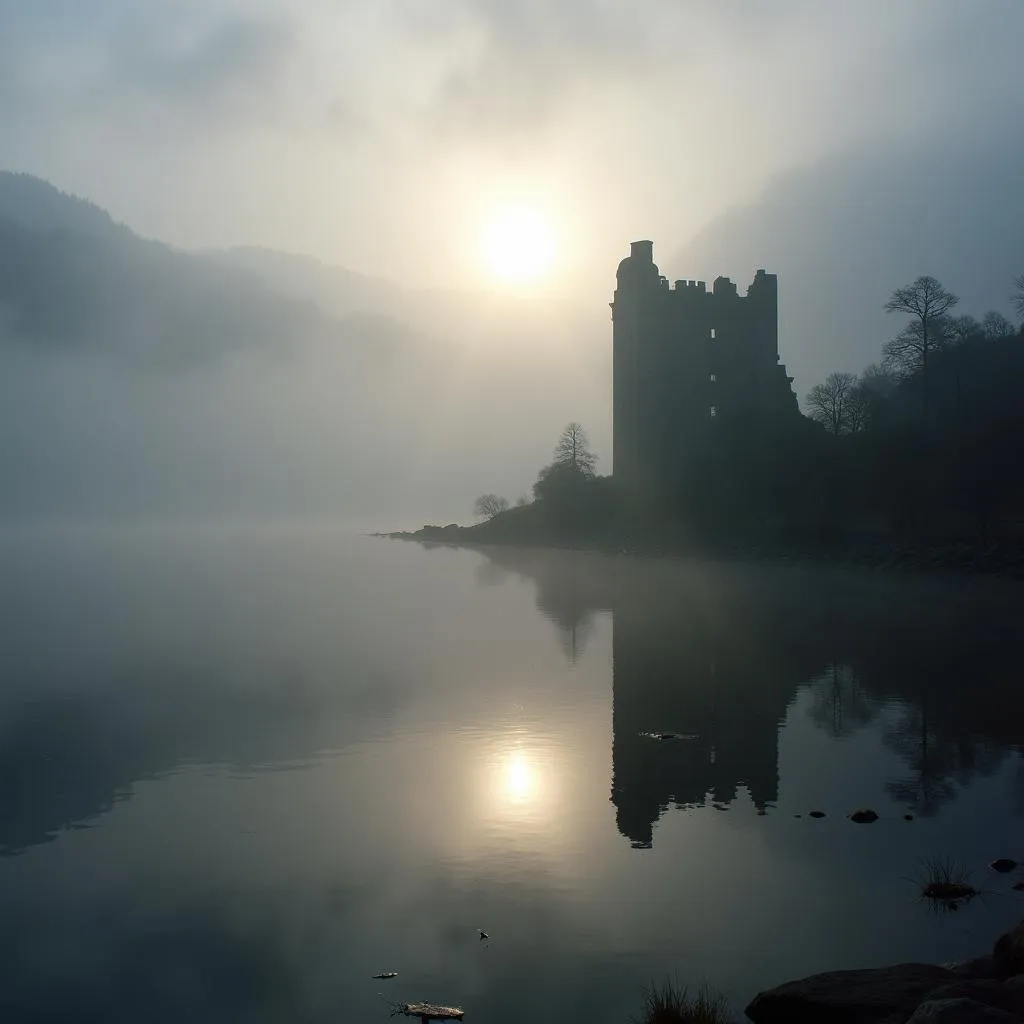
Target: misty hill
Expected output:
[36,205]
[70,276]
[140,380]
[335,290]
[843,233]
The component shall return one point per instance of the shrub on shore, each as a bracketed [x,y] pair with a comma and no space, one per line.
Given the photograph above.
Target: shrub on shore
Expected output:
[671,1003]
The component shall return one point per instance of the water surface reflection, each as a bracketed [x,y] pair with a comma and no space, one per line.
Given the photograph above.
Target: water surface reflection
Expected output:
[241,773]
[718,653]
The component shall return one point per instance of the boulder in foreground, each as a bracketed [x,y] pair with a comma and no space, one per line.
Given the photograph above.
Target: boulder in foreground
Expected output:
[1008,953]
[880,995]
[961,1011]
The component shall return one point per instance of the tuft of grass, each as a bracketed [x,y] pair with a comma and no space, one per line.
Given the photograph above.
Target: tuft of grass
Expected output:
[945,882]
[671,1003]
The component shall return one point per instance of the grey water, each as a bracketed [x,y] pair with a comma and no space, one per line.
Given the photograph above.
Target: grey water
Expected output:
[242,770]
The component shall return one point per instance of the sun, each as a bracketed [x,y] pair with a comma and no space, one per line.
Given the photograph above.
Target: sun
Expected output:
[519,245]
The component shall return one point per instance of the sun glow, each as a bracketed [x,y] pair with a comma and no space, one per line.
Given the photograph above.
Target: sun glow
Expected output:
[519,245]
[520,780]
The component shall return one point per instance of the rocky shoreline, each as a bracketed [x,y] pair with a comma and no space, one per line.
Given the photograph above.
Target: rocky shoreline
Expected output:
[988,989]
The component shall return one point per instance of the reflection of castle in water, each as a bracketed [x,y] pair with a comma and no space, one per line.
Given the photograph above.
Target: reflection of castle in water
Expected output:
[718,652]
[681,683]
[691,657]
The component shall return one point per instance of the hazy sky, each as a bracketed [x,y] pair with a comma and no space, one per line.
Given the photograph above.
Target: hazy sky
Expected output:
[381,134]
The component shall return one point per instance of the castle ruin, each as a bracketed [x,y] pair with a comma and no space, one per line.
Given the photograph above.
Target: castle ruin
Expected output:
[690,366]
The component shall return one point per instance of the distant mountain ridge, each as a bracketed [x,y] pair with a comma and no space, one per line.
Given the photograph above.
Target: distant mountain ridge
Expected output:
[36,205]
[71,275]
[336,290]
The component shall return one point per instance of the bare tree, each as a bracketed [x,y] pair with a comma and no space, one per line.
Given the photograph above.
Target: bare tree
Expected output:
[996,326]
[962,329]
[905,356]
[827,402]
[487,506]
[927,303]
[573,450]
[858,408]
[1018,296]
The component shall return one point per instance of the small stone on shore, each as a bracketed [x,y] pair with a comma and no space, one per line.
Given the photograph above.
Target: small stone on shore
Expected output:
[816,814]
[1003,865]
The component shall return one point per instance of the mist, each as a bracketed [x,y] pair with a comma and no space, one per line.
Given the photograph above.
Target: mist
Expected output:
[140,381]
[270,299]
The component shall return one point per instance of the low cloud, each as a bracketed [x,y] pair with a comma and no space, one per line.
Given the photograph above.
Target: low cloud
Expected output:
[236,65]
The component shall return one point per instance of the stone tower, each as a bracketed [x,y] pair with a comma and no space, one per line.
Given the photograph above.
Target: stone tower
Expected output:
[689,365]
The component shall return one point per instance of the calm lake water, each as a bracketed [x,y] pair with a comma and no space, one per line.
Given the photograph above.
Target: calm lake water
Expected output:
[243,771]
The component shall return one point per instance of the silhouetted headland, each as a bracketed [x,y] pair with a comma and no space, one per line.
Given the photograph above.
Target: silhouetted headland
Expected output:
[910,464]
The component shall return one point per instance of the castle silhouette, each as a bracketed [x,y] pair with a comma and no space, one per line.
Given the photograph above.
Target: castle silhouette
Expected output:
[690,366]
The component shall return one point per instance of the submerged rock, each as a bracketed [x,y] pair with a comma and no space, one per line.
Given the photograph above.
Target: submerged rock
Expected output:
[816,814]
[863,816]
[871,996]
[1003,865]
[908,817]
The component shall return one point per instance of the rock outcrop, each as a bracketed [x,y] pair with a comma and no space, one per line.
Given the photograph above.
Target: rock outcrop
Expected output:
[873,996]
[960,1011]
[1008,953]
[984,990]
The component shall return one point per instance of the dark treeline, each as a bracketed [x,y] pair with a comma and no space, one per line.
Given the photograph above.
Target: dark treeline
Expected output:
[916,453]
[924,444]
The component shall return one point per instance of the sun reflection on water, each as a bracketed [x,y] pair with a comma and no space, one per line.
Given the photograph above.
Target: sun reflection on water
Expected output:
[520,780]
[521,784]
